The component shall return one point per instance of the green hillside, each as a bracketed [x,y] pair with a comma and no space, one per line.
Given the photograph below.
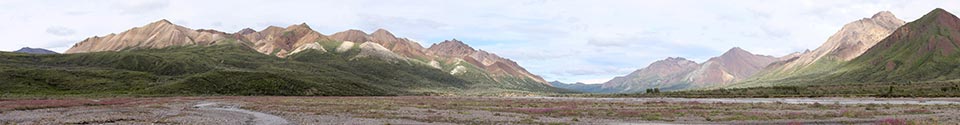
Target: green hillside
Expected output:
[216,70]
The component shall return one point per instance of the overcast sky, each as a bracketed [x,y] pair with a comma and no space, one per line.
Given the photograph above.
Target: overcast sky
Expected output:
[568,40]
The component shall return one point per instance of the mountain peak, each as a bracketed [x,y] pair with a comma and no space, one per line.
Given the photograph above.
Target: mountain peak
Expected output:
[736,51]
[301,25]
[351,35]
[245,31]
[451,48]
[452,43]
[673,60]
[159,23]
[883,14]
[163,21]
[382,32]
[938,14]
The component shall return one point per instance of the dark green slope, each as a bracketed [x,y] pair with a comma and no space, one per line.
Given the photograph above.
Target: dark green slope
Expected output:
[215,70]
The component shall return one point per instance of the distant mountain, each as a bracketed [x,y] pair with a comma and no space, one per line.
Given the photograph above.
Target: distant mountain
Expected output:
[579,86]
[922,50]
[734,65]
[679,73]
[35,51]
[850,42]
[667,74]
[487,72]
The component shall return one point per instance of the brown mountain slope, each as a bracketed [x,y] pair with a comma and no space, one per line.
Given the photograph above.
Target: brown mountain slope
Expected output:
[282,41]
[848,43]
[158,34]
[487,61]
[734,65]
[401,46]
[660,74]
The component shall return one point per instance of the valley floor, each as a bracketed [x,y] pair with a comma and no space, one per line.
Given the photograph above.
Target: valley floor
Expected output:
[477,110]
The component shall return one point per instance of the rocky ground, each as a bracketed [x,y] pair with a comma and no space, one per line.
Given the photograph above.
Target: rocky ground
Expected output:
[463,110]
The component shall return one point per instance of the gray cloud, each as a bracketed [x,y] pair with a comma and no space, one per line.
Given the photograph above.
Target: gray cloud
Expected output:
[60,31]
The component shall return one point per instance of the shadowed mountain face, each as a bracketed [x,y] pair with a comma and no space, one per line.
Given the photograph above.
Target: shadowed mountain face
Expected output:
[922,50]
[35,51]
[460,60]
[679,73]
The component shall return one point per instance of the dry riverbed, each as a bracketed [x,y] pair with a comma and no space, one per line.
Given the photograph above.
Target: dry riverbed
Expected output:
[476,110]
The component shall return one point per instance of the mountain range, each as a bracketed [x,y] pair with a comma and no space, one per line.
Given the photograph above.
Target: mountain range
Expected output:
[676,73]
[416,68]
[881,48]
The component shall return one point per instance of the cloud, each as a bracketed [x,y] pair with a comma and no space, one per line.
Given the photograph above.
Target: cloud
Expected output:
[624,40]
[142,6]
[379,21]
[60,31]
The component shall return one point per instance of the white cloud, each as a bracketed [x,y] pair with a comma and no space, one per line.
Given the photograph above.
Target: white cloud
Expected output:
[60,31]
[575,40]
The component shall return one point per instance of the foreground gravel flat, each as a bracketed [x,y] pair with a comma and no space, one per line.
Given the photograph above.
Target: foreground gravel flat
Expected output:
[269,110]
